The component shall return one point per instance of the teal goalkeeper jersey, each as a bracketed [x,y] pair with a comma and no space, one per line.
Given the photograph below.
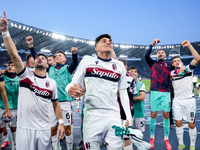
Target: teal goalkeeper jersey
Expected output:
[139,107]
[62,77]
[12,90]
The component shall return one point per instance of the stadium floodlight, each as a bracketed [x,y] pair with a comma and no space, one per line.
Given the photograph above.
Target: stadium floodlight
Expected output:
[31,29]
[11,24]
[62,37]
[38,31]
[91,42]
[55,36]
[45,50]
[2,44]
[27,28]
[20,26]
[15,25]
[24,27]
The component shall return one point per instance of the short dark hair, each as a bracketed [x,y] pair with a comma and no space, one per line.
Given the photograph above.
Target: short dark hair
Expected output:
[160,50]
[102,36]
[52,56]
[175,57]
[28,57]
[9,62]
[41,54]
[132,67]
[62,53]
[124,61]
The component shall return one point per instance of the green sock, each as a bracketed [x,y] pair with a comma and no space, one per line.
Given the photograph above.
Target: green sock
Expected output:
[152,125]
[166,125]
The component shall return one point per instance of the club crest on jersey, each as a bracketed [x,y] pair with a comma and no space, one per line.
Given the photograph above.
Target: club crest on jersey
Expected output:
[87,145]
[96,62]
[47,84]
[11,84]
[56,74]
[114,66]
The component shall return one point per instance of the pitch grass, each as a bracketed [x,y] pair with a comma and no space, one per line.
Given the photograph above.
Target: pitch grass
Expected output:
[148,83]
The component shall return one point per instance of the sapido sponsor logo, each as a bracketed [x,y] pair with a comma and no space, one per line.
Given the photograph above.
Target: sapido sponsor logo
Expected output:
[40,92]
[103,73]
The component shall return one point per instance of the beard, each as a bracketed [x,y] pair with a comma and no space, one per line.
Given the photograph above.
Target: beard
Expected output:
[40,67]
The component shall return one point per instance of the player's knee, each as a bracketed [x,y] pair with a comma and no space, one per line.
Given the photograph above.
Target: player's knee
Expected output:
[153,115]
[179,124]
[67,130]
[192,125]
[13,129]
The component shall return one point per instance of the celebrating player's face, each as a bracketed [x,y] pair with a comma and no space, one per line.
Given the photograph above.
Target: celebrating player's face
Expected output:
[104,45]
[176,62]
[161,54]
[51,60]
[10,68]
[41,62]
[133,73]
[60,58]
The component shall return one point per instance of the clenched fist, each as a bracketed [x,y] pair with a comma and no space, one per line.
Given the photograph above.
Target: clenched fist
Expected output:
[185,43]
[29,41]
[74,50]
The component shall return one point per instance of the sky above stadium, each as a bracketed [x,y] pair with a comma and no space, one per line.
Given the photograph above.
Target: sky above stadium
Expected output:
[127,21]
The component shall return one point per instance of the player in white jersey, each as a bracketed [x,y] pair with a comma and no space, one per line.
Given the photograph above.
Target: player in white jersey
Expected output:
[184,103]
[103,77]
[35,95]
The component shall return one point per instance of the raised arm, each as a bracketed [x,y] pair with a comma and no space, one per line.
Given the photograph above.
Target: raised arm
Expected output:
[74,63]
[148,59]
[10,46]
[29,41]
[196,59]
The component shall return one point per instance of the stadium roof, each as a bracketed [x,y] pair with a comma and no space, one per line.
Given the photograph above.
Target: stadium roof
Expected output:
[49,42]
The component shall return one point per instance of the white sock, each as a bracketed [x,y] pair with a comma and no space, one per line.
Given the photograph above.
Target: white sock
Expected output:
[193,136]
[5,137]
[129,147]
[166,138]
[13,137]
[77,104]
[69,142]
[152,136]
[179,134]
[55,142]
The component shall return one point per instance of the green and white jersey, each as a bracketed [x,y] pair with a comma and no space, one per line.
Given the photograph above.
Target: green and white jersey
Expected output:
[62,77]
[139,107]
[12,90]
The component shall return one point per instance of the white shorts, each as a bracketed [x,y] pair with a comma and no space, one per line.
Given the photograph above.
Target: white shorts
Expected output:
[139,123]
[66,114]
[185,109]
[12,121]
[27,139]
[96,129]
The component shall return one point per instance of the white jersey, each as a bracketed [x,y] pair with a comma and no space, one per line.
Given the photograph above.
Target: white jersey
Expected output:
[35,95]
[102,80]
[183,87]
[31,69]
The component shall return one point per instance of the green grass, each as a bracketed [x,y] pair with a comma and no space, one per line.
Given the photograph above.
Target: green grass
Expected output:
[147,84]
